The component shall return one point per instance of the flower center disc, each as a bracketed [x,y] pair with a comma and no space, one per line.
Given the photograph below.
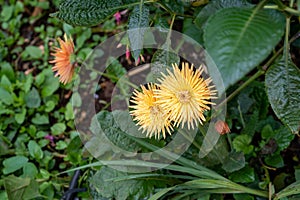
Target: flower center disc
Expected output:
[184,96]
[155,110]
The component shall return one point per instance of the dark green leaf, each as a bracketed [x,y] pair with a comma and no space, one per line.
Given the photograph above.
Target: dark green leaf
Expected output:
[267,132]
[283,89]
[243,197]
[35,150]
[87,13]
[192,31]
[233,162]
[121,190]
[274,161]
[245,175]
[14,163]
[283,138]
[115,69]
[242,144]
[33,99]
[73,150]
[213,6]
[6,97]
[138,21]
[238,39]
[162,60]
[111,129]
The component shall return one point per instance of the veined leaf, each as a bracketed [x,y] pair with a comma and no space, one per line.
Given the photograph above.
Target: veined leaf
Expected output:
[213,6]
[238,39]
[162,60]
[86,13]
[283,89]
[138,21]
[106,187]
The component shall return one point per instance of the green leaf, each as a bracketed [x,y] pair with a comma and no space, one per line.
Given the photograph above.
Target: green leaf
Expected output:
[7,70]
[33,99]
[213,6]
[12,164]
[192,31]
[69,114]
[288,191]
[87,13]
[7,12]
[234,161]
[29,170]
[283,137]
[239,39]
[283,89]
[162,60]
[243,197]
[138,21]
[35,150]
[274,161]
[242,144]
[40,119]
[33,52]
[267,132]
[111,129]
[106,187]
[5,83]
[20,117]
[58,128]
[245,175]
[6,97]
[115,69]
[60,145]
[73,150]
[50,84]
[21,188]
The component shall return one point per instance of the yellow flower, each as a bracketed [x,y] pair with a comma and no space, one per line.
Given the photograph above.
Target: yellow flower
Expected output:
[185,95]
[63,64]
[148,114]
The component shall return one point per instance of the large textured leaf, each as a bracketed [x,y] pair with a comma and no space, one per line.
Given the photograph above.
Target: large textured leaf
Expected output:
[213,6]
[138,21]
[238,39]
[162,60]
[105,187]
[111,129]
[86,13]
[283,89]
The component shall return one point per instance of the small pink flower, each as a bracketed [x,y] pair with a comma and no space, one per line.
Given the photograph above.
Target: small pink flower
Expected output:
[127,54]
[117,16]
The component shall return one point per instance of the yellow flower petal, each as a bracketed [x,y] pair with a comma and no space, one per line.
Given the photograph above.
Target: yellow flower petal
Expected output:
[185,95]
[148,114]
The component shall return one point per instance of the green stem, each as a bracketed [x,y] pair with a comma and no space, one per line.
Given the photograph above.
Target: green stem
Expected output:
[170,29]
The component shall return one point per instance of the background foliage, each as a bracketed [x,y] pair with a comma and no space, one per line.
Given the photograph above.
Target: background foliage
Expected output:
[256,48]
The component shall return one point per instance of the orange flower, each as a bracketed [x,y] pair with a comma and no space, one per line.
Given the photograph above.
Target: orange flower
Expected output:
[64,60]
